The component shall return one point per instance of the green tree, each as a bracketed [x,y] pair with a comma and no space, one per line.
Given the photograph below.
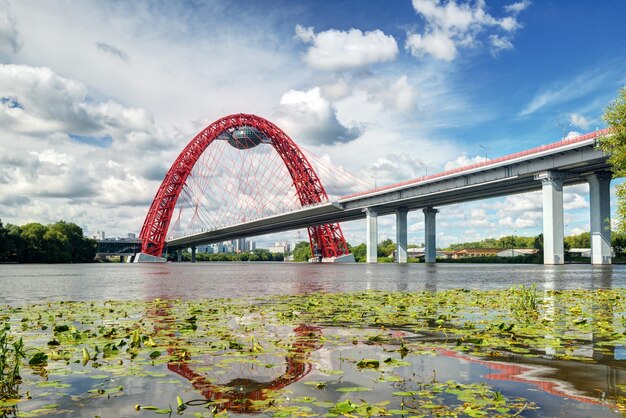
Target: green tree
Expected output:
[302,251]
[618,242]
[15,245]
[35,245]
[614,144]
[243,257]
[57,248]
[386,248]
[582,240]
[81,249]
[359,252]
[538,242]
[4,242]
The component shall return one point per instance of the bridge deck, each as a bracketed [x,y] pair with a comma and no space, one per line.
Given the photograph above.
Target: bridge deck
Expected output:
[575,158]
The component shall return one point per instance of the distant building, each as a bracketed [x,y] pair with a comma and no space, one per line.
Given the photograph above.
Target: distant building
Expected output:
[250,245]
[476,252]
[239,245]
[205,249]
[131,235]
[217,248]
[280,247]
[99,235]
[580,252]
[516,252]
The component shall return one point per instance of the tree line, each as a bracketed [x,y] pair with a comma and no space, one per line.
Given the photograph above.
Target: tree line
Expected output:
[259,254]
[61,242]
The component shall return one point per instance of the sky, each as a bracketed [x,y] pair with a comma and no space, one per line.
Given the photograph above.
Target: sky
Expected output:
[97,98]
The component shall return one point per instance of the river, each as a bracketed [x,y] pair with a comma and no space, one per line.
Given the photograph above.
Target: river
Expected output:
[582,381]
[23,284]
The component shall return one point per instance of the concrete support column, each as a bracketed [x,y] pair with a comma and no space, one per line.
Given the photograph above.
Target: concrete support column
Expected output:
[600,211]
[372,235]
[430,232]
[401,235]
[179,255]
[193,254]
[552,187]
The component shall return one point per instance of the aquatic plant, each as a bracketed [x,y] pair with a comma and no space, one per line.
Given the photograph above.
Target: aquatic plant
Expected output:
[262,355]
[525,302]
[11,355]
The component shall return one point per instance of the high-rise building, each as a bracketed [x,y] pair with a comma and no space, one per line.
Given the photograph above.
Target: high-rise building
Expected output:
[205,249]
[99,235]
[280,247]
[250,245]
[239,245]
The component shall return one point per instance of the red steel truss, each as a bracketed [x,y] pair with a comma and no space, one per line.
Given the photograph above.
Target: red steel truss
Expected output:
[242,131]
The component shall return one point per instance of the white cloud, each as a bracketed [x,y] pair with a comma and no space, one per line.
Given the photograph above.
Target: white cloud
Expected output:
[9,37]
[520,222]
[579,86]
[53,165]
[394,168]
[499,43]
[401,95]
[307,117]
[336,89]
[450,25]
[393,94]
[579,230]
[437,44]
[515,8]
[573,201]
[38,101]
[579,120]
[464,161]
[338,50]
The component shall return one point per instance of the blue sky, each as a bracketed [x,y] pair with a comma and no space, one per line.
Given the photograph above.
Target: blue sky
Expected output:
[110,92]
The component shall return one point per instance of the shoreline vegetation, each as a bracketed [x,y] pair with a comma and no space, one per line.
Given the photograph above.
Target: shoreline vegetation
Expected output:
[63,242]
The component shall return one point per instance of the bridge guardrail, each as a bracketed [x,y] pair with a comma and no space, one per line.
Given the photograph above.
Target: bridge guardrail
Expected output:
[494,161]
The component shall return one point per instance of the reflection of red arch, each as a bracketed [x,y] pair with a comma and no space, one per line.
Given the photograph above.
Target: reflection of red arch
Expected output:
[327,238]
[241,401]
[521,373]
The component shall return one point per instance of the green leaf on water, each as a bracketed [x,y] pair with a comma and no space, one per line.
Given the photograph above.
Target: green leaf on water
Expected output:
[38,359]
[354,389]
[368,364]
[405,393]
[53,384]
[344,407]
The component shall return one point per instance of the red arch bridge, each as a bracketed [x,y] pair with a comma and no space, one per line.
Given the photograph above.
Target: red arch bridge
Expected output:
[242,176]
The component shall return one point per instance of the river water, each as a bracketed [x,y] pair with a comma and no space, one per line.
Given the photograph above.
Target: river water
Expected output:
[23,284]
[559,387]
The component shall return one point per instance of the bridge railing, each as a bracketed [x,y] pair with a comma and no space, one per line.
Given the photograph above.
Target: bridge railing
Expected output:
[536,150]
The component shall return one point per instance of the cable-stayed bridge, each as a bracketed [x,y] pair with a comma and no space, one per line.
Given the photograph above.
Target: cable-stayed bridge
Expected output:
[242,176]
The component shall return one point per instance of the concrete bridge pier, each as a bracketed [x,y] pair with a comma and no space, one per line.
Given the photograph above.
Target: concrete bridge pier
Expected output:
[430,232]
[193,254]
[371,221]
[553,228]
[401,235]
[600,213]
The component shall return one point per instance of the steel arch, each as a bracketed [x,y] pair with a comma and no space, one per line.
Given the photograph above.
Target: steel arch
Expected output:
[326,240]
